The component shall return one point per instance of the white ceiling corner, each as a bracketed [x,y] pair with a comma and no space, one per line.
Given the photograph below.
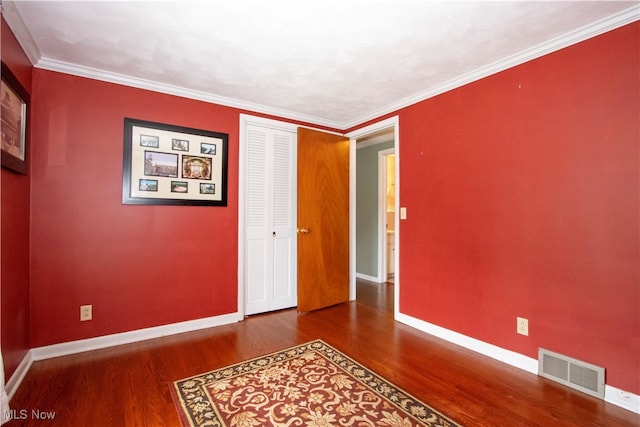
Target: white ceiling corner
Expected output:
[329,63]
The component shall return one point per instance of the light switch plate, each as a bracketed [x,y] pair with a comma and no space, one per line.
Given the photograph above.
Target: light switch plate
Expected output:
[403,213]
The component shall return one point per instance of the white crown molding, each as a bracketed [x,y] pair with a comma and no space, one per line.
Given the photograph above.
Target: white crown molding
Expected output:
[121,79]
[612,22]
[13,18]
[594,29]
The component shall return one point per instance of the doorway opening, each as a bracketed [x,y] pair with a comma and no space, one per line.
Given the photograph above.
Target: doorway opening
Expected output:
[374,231]
[387,210]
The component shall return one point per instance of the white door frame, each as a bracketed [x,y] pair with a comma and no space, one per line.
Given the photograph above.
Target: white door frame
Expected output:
[392,122]
[246,120]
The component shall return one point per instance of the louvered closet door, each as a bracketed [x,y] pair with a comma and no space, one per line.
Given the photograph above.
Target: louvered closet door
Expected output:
[271,239]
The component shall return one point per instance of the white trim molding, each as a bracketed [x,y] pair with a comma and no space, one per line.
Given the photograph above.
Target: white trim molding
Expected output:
[509,357]
[594,29]
[72,347]
[89,344]
[125,80]
[621,398]
[18,375]
[367,278]
[386,124]
[19,29]
[614,396]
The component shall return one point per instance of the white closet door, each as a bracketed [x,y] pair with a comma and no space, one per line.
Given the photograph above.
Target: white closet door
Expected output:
[258,257]
[271,240]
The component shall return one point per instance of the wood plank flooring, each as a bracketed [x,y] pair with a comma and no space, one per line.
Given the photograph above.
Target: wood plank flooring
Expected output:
[128,385]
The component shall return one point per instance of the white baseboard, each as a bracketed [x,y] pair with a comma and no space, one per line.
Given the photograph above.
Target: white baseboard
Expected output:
[21,371]
[512,358]
[66,348]
[368,278]
[63,349]
[621,398]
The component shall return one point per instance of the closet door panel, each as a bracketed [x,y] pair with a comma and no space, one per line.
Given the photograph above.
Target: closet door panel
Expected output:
[258,255]
[284,224]
[257,274]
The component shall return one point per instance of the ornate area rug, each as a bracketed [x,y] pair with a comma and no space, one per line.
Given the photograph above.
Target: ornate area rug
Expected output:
[310,385]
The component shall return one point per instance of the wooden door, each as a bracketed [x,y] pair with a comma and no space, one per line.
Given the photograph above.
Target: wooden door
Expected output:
[323,219]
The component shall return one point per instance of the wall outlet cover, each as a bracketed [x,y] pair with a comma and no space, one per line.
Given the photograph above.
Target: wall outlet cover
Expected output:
[522,326]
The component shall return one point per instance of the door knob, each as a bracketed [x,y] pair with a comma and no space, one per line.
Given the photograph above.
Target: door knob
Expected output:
[303,230]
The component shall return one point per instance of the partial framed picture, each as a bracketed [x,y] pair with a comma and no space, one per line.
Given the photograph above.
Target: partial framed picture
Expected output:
[208,149]
[173,165]
[160,164]
[179,186]
[150,141]
[180,144]
[206,188]
[196,167]
[148,185]
[14,107]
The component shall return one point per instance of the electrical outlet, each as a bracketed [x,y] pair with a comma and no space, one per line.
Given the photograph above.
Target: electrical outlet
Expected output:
[522,326]
[86,312]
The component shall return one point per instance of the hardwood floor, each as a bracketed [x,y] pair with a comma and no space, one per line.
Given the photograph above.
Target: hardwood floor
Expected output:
[128,385]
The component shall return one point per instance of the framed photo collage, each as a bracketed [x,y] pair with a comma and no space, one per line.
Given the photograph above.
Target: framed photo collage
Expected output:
[173,165]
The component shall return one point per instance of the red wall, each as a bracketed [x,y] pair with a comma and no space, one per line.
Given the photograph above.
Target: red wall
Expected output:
[522,192]
[14,218]
[139,266]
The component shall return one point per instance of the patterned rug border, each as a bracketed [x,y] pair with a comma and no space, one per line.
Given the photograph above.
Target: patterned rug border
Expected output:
[410,405]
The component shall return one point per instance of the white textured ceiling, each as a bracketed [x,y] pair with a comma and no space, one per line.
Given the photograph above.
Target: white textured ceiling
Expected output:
[334,63]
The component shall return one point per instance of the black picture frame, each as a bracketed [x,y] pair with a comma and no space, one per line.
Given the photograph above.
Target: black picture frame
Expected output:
[14,116]
[148,156]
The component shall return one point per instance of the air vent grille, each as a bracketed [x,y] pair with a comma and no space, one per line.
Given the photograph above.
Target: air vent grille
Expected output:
[573,373]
